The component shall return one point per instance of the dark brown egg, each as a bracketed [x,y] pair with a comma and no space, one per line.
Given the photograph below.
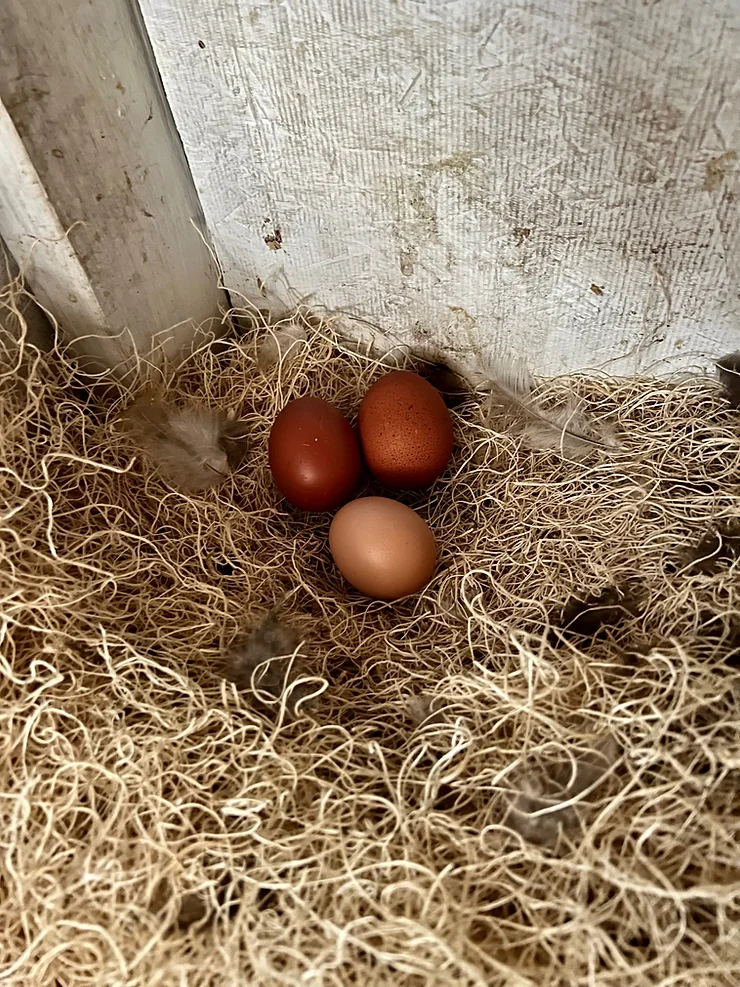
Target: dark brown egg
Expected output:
[383,548]
[314,455]
[405,431]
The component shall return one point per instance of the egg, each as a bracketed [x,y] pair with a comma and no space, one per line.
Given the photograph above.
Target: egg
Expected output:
[383,548]
[405,431]
[314,455]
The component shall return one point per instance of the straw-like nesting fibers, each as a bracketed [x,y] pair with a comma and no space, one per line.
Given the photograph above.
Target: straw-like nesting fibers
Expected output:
[160,829]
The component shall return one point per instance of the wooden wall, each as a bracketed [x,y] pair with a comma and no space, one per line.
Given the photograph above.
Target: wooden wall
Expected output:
[97,203]
[556,179]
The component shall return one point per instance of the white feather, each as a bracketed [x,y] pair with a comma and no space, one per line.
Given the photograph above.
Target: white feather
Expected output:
[281,346]
[567,429]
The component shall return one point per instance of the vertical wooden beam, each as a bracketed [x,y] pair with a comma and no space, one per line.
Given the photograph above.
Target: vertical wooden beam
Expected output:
[97,204]
[38,330]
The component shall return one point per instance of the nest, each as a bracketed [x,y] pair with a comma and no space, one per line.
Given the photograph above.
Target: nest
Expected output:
[159,829]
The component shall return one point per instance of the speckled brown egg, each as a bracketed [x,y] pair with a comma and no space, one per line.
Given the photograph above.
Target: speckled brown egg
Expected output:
[405,431]
[383,548]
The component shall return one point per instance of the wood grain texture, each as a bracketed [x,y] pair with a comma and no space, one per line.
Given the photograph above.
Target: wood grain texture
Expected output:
[38,330]
[557,180]
[39,245]
[79,84]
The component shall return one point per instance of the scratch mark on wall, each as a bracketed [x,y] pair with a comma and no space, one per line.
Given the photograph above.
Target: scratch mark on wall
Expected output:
[409,90]
[489,37]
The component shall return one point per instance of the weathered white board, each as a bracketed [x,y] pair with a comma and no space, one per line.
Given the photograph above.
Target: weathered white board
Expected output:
[96,201]
[38,331]
[557,179]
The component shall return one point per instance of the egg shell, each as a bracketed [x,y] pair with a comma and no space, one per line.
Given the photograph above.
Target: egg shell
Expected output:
[314,455]
[383,548]
[405,431]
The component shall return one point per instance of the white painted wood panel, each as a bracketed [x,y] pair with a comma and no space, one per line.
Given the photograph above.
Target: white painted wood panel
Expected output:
[554,178]
[97,203]
[39,243]
[38,329]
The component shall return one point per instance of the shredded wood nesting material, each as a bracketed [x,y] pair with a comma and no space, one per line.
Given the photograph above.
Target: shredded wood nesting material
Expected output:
[158,830]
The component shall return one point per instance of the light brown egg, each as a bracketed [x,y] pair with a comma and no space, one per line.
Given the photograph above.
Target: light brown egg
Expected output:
[383,548]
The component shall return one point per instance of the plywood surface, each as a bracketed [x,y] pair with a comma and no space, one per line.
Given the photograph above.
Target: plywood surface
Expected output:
[554,179]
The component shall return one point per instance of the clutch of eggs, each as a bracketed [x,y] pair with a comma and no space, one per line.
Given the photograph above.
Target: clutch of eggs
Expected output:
[382,548]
